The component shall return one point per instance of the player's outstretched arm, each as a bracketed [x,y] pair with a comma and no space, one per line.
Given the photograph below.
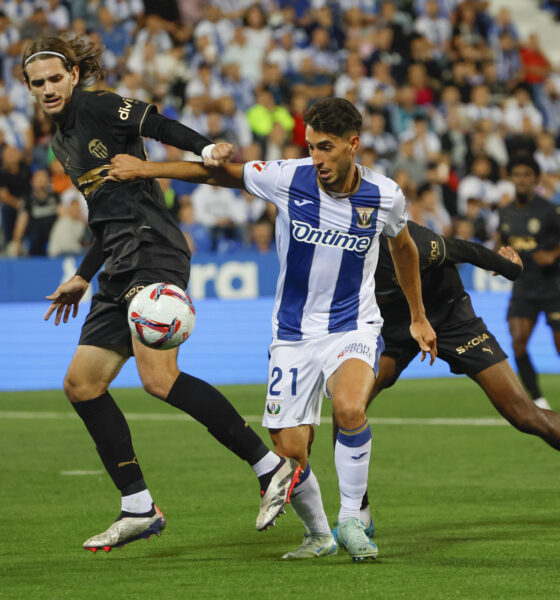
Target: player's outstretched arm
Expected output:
[125,167]
[405,258]
[66,298]
[506,262]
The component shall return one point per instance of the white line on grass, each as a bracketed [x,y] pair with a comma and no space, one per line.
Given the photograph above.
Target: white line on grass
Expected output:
[482,422]
[81,472]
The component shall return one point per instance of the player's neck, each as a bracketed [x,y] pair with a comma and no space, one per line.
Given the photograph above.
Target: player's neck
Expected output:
[524,199]
[347,186]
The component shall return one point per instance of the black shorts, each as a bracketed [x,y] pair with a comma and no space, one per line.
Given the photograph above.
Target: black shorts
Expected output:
[529,308]
[106,324]
[463,342]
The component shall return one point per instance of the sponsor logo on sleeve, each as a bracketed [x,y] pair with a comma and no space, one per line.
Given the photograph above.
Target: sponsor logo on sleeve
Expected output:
[124,111]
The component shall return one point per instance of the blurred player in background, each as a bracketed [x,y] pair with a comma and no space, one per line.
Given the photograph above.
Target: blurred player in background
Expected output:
[531,225]
[463,340]
[136,238]
[326,323]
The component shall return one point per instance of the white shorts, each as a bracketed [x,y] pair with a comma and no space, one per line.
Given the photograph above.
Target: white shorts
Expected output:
[298,373]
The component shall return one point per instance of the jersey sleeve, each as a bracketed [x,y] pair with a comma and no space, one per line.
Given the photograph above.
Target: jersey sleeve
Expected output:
[397,216]
[123,116]
[463,251]
[431,246]
[261,178]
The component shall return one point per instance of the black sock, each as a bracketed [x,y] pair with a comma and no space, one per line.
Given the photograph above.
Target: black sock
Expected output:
[211,408]
[528,375]
[108,428]
[365,501]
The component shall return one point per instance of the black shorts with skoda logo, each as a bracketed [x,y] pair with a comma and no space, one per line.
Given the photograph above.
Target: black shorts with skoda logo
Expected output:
[463,341]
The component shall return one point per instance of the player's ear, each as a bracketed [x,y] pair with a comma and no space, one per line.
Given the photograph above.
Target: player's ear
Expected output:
[354,141]
[75,75]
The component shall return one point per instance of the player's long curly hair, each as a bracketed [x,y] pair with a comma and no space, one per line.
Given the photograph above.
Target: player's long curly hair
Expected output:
[76,50]
[334,115]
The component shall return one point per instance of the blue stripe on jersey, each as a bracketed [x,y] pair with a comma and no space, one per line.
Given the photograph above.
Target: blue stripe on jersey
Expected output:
[303,206]
[346,298]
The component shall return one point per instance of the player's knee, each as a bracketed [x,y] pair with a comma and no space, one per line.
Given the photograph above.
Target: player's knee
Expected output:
[78,390]
[156,386]
[349,416]
[529,420]
[519,346]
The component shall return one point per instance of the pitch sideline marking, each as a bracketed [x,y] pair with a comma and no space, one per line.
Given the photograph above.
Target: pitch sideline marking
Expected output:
[473,422]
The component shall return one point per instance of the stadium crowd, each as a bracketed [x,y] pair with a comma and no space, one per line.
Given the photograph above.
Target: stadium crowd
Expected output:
[448,91]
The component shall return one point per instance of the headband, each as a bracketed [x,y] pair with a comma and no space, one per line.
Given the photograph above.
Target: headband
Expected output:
[46,52]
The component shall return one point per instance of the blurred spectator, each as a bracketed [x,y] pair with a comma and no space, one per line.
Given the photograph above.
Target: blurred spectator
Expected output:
[68,234]
[15,126]
[407,161]
[14,186]
[435,215]
[262,236]
[508,62]
[427,144]
[246,57]
[265,113]
[222,213]
[477,184]
[434,27]
[198,235]
[404,110]
[520,106]
[377,137]
[310,82]
[36,218]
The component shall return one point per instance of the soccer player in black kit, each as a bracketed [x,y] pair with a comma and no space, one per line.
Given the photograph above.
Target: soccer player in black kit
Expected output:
[140,244]
[463,340]
[531,225]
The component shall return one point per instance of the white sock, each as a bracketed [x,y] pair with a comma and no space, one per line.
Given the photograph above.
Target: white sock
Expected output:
[140,502]
[266,464]
[352,453]
[308,505]
[365,515]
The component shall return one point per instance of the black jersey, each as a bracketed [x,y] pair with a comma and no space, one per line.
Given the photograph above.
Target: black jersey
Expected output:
[527,228]
[129,219]
[441,283]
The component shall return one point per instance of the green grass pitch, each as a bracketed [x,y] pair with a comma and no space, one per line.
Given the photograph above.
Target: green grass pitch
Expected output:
[462,509]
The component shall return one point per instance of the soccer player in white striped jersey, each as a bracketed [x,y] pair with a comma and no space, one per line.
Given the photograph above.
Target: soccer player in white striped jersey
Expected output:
[326,323]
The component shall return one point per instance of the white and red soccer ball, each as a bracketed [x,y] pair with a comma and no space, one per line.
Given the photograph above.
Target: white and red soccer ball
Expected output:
[161,316]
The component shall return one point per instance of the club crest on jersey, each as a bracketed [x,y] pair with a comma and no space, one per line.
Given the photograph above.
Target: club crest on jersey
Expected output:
[365,217]
[533,226]
[98,149]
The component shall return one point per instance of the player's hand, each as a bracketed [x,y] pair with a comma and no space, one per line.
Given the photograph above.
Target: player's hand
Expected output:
[222,153]
[66,298]
[510,254]
[426,337]
[544,258]
[124,167]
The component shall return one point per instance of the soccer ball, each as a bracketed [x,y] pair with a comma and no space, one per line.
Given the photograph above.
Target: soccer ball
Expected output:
[161,316]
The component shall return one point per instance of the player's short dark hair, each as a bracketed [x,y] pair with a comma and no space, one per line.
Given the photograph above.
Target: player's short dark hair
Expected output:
[524,158]
[334,115]
[76,51]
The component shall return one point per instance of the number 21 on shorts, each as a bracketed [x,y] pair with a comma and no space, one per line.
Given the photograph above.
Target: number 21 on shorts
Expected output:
[276,376]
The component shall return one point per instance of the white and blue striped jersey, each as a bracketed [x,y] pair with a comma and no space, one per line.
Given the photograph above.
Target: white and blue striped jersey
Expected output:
[327,246]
